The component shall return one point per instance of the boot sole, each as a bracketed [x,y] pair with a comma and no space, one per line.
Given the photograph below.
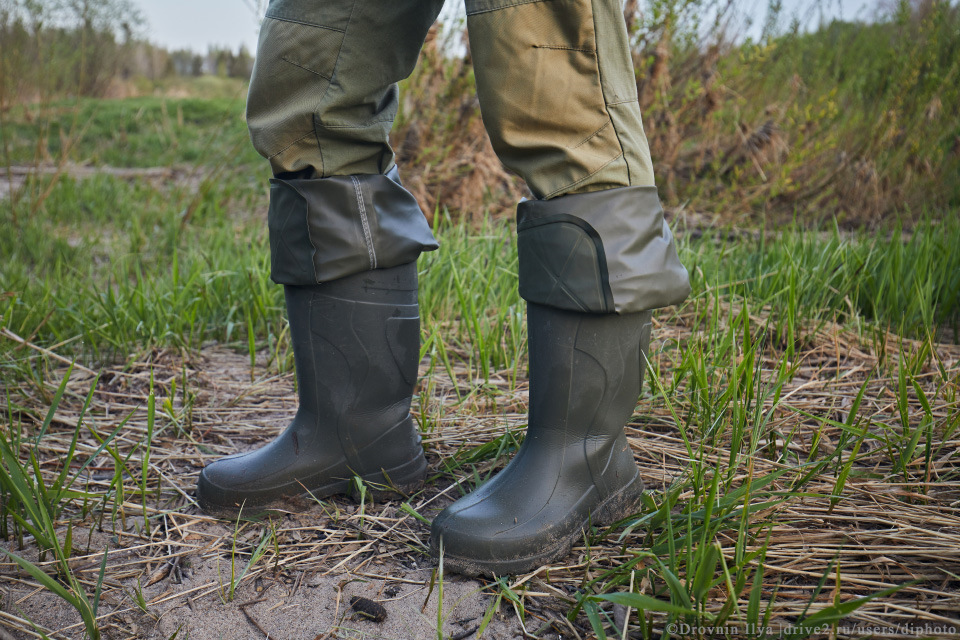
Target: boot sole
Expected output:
[393,484]
[616,507]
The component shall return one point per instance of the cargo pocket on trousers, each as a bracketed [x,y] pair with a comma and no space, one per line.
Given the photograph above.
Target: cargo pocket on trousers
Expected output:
[540,92]
[294,65]
[562,265]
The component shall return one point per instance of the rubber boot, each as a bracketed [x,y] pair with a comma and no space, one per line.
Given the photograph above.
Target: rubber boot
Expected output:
[574,466]
[356,349]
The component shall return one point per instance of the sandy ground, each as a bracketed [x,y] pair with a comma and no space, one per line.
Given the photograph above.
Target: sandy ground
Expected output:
[192,601]
[319,557]
[325,555]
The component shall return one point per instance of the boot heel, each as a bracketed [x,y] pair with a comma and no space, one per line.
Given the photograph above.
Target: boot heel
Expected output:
[621,504]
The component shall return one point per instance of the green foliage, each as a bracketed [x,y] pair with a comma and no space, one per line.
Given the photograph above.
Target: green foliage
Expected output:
[35,508]
[907,282]
[851,120]
[109,266]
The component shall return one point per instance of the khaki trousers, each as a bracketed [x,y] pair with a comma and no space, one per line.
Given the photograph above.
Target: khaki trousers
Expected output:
[558,98]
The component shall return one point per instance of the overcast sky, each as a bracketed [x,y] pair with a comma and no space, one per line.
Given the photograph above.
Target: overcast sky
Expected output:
[195,24]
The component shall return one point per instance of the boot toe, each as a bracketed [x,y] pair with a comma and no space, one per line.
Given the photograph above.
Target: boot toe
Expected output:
[499,535]
[220,487]
[478,540]
[245,481]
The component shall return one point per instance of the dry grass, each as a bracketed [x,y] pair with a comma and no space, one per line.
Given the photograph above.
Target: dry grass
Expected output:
[880,533]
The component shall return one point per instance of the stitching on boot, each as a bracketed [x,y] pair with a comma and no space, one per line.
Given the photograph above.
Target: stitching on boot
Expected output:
[366,225]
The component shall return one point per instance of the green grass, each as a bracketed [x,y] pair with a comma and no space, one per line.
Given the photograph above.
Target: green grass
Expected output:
[99,285]
[108,267]
[134,132]
[105,269]
[907,284]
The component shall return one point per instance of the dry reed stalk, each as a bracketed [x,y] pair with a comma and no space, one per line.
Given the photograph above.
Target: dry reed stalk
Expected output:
[882,530]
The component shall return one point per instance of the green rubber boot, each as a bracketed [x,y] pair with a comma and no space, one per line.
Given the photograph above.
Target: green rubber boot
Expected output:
[356,348]
[575,466]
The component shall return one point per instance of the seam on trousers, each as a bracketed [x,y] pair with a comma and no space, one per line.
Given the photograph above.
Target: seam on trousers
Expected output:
[506,6]
[330,83]
[364,223]
[593,135]
[584,178]
[613,104]
[316,134]
[306,135]
[306,24]
[593,11]
[353,126]
[297,64]
[561,48]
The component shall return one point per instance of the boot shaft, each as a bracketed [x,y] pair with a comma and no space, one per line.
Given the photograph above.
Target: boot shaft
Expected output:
[356,345]
[586,370]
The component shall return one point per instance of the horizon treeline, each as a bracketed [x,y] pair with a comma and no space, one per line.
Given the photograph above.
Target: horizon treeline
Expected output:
[85,48]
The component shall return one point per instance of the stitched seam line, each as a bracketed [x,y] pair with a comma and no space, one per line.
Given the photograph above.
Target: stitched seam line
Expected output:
[584,178]
[352,126]
[306,24]
[506,6]
[366,225]
[616,133]
[613,104]
[560,48]
[330,83]
[297,64]
[306,135]
[592,135]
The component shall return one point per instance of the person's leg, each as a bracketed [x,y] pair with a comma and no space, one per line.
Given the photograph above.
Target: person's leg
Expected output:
[323,94]
[559,99]
[344,239]
[322,100]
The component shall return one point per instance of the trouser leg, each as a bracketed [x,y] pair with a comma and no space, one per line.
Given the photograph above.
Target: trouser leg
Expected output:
[322,100]
[323,94]
[558,96]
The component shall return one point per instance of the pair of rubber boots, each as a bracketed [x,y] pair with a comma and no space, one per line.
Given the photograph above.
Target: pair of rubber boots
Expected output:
[356,350]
